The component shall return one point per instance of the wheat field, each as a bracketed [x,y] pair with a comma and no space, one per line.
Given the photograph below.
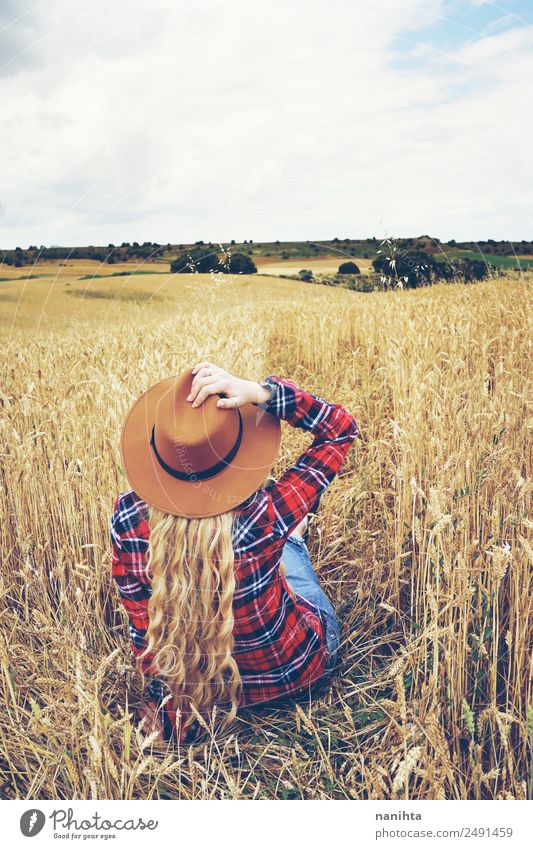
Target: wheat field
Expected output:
[422,541]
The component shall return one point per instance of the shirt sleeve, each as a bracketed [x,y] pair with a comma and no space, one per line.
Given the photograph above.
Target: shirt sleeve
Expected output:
[334,429]
[134,593]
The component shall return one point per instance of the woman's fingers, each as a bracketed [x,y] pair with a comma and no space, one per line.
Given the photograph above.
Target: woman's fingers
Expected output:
[153,721]
[203,371]
[200,365]
[195,388]
[205,375]
[205,365]
[147,712]
[208,380]
[208,388]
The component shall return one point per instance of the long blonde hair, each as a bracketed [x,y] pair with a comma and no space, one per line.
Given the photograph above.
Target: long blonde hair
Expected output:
[190,633]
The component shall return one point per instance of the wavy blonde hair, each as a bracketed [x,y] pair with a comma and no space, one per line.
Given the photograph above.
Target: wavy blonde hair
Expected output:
[190,633]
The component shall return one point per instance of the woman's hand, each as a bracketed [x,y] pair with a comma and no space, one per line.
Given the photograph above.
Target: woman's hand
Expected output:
[153,722]
[210,379]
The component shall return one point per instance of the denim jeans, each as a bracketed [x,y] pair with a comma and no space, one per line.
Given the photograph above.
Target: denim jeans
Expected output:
[302,579]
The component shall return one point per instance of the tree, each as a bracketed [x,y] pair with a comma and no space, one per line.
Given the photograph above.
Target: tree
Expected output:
[237,264]
[412,268]
[306,275]
[198,260]
[464,269]
[348,268]
[473,269]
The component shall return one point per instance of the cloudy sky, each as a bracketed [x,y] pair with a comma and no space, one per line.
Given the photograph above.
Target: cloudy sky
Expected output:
[264,119]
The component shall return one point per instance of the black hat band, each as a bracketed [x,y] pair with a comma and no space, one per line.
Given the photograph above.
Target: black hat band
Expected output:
[205,473]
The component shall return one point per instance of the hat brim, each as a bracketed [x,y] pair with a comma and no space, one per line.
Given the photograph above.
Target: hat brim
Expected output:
[257,452]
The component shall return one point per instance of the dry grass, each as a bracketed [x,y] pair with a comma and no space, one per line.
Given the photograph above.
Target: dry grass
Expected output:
[422,541]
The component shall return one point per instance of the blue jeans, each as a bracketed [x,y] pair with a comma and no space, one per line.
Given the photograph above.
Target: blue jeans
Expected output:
[302,579]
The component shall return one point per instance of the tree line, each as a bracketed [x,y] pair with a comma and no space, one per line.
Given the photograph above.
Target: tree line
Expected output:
[203,260]
[110,254]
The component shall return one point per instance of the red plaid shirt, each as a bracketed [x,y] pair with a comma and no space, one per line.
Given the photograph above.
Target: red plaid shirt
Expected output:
[279,637]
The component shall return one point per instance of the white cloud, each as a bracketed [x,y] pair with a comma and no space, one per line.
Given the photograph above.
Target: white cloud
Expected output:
[270,120]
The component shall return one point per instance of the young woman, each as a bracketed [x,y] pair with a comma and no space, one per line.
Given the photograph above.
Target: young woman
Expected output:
[199,539]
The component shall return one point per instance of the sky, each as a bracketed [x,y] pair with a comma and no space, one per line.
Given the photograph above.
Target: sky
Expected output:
[172,121]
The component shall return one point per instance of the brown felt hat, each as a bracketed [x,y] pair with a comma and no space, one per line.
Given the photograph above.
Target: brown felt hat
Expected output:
[196,461]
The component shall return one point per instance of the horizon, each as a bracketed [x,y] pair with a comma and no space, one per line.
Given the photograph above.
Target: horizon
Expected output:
[262,242]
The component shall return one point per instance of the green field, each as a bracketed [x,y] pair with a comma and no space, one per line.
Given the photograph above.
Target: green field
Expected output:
[490,259]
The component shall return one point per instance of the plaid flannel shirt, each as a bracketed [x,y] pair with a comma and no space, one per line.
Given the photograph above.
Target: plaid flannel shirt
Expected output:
[279,637]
